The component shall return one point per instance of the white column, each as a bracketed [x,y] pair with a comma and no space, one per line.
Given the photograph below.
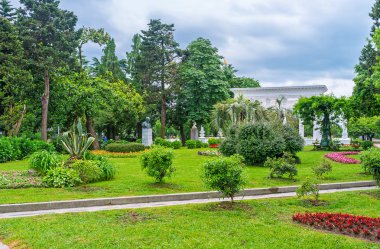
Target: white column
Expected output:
[317,135]
[301,128]
[344,127]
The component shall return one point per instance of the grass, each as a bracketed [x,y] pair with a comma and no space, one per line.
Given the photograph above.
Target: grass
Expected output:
[131,180]
[251,224]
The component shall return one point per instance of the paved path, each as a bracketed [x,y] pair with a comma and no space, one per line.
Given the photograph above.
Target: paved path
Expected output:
[159,204]
[2,246]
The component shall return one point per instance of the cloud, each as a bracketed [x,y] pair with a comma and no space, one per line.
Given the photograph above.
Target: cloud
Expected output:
[277,42]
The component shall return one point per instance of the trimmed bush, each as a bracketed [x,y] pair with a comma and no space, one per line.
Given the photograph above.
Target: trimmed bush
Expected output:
[191,144]
[88,170]
[213,140]
[158,163]
[62,177]
[165,143]
[366,144]
[371,163]
[281,166]
[43,161]
[107,168]
[130,147]
[176,144]
[224,174]
[324,167]
[256,142]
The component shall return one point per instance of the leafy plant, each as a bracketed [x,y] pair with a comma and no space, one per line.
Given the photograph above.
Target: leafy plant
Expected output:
[366,144]
[158,163]
[88,170]
[324,167]
[281,166]
[213,140]
[191,144]
[76,141]
[62,177]
[371,163]
[130,147]
[107,168]
[43,161]
[308,188]
[225,174]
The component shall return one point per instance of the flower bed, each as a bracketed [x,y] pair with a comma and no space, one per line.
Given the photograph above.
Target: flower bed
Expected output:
[116,154]
[340,157]
[20,179]
[213,146]
[356,226]
[209,153]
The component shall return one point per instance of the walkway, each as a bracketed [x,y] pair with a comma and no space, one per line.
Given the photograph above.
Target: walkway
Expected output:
[161,204]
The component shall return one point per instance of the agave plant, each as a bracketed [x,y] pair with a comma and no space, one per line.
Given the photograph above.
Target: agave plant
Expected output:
[76,142]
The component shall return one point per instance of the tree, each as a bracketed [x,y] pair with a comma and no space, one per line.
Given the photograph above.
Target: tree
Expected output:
[324,109]
[156,66]
[13,79]
[203,80]
[49,41]
[244,82]
[366,127]
[6,10]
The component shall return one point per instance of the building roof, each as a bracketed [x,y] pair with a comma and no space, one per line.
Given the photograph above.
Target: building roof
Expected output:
[306,87]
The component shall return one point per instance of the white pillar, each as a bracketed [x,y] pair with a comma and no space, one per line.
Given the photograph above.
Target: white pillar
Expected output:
[344,127]
[317,135]
[301,128]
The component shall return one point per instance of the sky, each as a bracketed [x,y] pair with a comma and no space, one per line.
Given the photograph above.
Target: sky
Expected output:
[279,43]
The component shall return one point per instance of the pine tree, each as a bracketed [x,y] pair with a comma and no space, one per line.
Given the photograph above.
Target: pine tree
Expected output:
[6,10]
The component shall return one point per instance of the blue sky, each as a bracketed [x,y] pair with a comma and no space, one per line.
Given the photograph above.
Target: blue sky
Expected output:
[292,42]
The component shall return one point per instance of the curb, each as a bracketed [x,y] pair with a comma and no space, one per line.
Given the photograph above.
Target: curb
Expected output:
[38,206]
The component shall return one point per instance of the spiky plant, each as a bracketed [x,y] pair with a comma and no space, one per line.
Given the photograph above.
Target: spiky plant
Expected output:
[76,142]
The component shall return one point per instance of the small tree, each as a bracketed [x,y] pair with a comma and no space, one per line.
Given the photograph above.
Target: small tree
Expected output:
[158,163]
[324,167]
[308,188]
[225,174]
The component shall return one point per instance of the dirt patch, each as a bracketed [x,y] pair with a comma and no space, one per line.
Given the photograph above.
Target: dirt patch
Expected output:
[87,189]
[228,206]
[132,217]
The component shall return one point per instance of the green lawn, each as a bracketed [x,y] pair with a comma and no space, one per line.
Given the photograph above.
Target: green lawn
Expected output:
[253,224]
[130,180]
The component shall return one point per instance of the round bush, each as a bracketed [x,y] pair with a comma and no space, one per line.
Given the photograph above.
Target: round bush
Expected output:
[130,147]
[228,146]
[366,144]
[256,142]
[61,177]
[158,163]
[43,161]
[88,170]
[191,144]
[224,174]
[176,144]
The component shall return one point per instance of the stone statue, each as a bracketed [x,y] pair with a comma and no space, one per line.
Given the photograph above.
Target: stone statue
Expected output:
[194,132]
[146,124]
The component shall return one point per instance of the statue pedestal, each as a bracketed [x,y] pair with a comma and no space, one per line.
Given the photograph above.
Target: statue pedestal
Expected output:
[147,137]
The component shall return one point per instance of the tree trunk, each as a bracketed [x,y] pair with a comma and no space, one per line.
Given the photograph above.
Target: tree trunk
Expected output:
[139,130]
[91,130]
[163,116]
[45,106]
[182,133]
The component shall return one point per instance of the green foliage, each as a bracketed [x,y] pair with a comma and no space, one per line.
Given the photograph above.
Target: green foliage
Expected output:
[256,142]
[225,174]
[293,141]
[244,82]
[107,168]
[366,145]
[213,140]
[370,160]
[324,167]
[6,150]
[62,177]
[88,170]
[76,142]
[165,143]
[281,166]
[130,147]
[191,144]
[158,163]
[43,161]
[309,187]
[364,126]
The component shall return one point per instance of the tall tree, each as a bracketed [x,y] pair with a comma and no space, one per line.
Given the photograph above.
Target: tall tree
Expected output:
[50,42]
[204,80]
[6,10]
[156,66]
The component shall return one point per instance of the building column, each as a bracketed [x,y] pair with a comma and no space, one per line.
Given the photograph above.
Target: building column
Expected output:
[301,128]
[317,135]
[344,127]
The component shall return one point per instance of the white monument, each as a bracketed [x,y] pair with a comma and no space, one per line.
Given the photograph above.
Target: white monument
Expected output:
[147,137]
[202,134]
[268,97]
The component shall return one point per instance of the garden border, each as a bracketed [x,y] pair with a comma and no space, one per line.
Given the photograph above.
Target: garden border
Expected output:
[38,206]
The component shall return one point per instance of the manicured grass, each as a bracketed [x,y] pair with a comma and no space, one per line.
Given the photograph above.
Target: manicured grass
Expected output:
[251,224]
[130,180]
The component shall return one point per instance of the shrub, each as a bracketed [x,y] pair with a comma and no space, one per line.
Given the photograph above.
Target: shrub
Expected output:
[43,161]
[308,188]
[324,167]
[293,141]
[199,144]
[107,168]
[62,177]
[256,142]
[371,163]
[281,166]
[130,147]
[6,150]
[366,145]
[158,163]
[224,174]
[103,143]
[176,144]
[165,143]
[191,144]
[88,170]
[213,140]
[139,141]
